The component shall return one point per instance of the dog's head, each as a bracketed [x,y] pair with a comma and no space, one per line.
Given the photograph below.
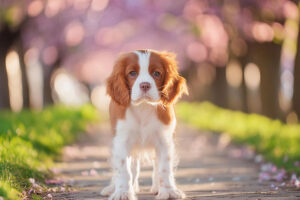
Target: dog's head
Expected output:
[145,76]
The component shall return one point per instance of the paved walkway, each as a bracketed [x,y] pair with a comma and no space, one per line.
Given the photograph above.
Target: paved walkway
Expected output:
[206,170]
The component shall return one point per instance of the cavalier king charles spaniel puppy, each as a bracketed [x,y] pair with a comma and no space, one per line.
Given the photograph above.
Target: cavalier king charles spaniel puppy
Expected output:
[144,86]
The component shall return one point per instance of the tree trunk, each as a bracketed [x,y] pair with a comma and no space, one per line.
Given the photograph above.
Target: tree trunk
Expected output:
[296,97]
[7,39]
[267,57]
[4,94]
[48,71]
[25,85]
[220,87]
[244,96]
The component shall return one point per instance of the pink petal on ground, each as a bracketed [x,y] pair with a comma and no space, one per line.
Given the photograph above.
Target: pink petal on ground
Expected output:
[236,153]
[273,168]
[93,172]
[263,176]
[55,170]
[84,173]
[58,181]
[280,175]
[266,167]
[293,178]
[30,191]
[297,183]
[49,196]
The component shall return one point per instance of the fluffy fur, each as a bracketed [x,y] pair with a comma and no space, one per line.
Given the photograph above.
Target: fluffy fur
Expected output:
[144,86]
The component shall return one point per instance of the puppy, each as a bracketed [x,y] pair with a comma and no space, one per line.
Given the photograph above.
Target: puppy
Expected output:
[144,86]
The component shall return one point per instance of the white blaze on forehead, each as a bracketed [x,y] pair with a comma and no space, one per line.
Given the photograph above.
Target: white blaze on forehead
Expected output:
[144,76]
[144,60]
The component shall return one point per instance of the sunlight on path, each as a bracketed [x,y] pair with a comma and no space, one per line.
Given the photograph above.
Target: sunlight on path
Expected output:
[204,172]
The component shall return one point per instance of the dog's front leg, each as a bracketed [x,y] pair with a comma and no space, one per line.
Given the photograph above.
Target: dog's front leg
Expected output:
[121,163]
[165,155]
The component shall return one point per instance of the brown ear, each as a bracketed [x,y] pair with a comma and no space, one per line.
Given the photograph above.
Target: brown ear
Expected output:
[174,90]
[174,85]
[116,85]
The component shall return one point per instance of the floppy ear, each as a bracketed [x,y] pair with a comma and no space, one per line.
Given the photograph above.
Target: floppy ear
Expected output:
[116,85]
[174,84]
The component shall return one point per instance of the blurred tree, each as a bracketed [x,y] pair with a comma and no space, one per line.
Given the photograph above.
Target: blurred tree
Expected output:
[267,57]
[220,87]
[20,49]
[8,37]
[296,97]
[85,36]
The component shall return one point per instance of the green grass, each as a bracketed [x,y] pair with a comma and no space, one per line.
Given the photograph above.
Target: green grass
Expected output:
[30,140]
[271,138]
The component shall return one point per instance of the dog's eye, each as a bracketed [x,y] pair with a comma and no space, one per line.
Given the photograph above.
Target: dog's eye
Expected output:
[156,74]
[133,73]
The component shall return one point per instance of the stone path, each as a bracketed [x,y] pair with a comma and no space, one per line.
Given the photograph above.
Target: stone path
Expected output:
[206,170]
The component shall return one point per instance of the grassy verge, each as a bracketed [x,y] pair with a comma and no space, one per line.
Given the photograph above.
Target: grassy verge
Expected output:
[276,141]
[29,141]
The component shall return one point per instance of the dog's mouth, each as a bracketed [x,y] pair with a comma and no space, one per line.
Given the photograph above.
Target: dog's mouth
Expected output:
[144,98]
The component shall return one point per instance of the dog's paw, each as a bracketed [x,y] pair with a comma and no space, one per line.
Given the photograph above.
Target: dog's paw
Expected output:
[123,195]
[136,187]
[154,189]
[108,190]
[172,193]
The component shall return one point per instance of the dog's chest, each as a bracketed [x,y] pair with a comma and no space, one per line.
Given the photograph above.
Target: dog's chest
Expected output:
[142,124]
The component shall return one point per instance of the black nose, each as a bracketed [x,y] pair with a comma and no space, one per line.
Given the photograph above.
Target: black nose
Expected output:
[145,86]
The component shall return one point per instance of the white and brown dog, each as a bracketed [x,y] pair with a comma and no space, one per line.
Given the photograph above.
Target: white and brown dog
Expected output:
[144,86]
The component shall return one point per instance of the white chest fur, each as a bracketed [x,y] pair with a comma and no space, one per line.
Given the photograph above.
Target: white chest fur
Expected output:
[142,127]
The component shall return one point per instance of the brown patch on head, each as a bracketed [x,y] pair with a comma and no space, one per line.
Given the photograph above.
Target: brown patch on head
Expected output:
[120,81]
[171,85]
[123,162]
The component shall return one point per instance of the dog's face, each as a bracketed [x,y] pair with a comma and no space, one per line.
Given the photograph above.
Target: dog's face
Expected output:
[145,76]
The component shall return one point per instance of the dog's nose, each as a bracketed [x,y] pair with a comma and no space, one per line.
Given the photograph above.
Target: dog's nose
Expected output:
[145,86]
